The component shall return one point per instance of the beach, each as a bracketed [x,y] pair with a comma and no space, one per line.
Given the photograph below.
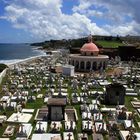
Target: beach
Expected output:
[13,53]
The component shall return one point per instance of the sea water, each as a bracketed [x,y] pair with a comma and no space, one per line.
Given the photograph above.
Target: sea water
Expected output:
[11,53]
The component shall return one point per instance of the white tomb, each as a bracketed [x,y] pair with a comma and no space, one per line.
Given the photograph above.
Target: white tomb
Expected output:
[56,125]
[25,128]
[108,109]
[24,110]
[70,125]
[86,115]
[41,125]
[68,70]
[87,125]
[97,117]
[99,126]
[68,136]
[124,134]
[46,136]
[2,118]
[138,136]
[9,131]
[128,124]
[20,117]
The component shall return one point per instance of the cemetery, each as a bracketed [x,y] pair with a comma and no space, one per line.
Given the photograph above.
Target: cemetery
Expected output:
[38,104]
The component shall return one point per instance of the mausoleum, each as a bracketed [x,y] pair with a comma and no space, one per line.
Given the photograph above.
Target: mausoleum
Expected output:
[56,108]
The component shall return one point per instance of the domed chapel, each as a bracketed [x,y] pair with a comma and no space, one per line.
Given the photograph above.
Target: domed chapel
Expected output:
[89,59]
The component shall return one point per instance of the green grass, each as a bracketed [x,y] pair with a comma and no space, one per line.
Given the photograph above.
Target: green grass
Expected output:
[109,44]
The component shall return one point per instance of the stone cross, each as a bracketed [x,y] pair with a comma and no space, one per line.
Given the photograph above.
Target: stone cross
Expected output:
[88,123]
[69,136]
[21,131]
[71,124]
[17,117]
[39,124]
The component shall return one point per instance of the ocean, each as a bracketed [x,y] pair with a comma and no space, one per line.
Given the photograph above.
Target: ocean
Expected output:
[11,53]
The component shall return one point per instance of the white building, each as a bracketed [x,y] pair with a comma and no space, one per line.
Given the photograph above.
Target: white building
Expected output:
[89,59]
[68,70]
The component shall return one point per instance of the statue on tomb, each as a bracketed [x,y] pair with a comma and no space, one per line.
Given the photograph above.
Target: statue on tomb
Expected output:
[54,124]
[71,125]
[17,117]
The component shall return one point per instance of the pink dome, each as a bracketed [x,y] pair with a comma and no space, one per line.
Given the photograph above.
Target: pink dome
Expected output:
[89,47]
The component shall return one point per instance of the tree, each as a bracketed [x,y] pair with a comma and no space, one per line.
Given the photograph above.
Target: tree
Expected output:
[2,67]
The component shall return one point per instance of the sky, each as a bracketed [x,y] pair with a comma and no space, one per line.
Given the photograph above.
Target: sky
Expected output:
[40,20]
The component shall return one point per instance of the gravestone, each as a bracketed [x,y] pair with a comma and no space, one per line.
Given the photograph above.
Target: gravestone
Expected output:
[56,108]
[40,129]
[21,133]
[98,136]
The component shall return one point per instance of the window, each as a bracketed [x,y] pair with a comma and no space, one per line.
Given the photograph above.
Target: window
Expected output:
[88,65]
[82,65]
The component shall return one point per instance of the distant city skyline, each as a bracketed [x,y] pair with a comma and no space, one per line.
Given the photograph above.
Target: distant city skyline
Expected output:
[39,20]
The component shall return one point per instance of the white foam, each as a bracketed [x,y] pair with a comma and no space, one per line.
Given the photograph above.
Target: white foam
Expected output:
[8,62]
[40,52]
[14,61]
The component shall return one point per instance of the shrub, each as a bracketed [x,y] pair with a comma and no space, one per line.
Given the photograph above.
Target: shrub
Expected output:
[2,67]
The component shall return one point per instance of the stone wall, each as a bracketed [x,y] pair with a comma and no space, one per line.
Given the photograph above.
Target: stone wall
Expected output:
[2,74]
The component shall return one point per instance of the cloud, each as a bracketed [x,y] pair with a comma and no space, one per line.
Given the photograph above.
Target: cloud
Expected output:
[115,10]
[126,29]
[44,19]
[2,17]
[82,6]
[122,16]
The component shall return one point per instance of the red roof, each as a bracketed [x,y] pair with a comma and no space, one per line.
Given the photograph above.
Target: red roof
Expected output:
[89,47]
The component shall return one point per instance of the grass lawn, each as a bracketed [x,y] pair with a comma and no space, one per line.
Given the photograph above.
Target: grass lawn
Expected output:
[109,44]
